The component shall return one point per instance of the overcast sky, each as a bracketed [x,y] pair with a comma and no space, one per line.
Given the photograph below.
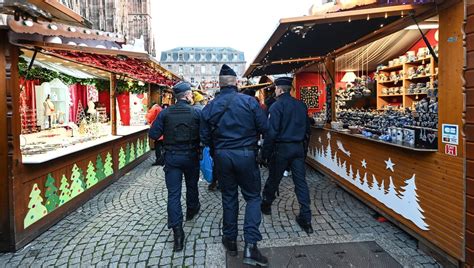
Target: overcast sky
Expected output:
[245,25]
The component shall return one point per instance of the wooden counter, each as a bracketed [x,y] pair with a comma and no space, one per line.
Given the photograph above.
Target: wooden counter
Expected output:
[45,193]
[422,192]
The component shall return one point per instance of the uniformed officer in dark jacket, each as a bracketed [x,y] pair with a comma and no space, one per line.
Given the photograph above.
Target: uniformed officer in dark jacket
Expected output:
[231,123]
[179,125]
[285,146]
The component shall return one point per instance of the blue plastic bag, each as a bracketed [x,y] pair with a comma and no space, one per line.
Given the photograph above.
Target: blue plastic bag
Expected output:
[206,164]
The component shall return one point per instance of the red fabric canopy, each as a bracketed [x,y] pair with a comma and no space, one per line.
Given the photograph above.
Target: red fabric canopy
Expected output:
[136,68]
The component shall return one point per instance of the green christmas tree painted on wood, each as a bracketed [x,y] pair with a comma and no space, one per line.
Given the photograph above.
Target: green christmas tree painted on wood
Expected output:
[99,165]
[77,178]
[108,168]
[52,198]
[132,153]
[36,208]
[65,191]
[127,153]
[139,147]
[122,158]
[147,144]
[91,177]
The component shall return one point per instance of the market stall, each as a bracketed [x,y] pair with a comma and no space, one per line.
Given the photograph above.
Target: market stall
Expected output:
[386,90]
[73,120]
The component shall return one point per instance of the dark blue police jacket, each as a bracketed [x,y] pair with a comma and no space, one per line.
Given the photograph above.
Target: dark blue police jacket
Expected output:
[156,129]
[287,122]
[239,126]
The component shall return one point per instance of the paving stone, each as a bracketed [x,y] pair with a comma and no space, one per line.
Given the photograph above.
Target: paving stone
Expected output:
[126,226]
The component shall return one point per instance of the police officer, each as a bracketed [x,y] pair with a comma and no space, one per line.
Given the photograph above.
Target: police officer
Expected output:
[285,146]
[179,125]
[231,123]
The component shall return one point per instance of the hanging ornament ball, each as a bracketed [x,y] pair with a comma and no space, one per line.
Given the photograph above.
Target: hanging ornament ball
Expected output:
[140,96]
[134,103]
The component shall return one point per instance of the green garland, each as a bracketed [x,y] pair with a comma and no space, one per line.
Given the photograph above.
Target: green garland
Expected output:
[46,75]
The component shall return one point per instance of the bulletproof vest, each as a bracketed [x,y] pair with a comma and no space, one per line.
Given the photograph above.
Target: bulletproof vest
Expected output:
[180,127]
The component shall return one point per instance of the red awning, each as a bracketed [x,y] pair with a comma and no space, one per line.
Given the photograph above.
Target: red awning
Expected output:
[135,68]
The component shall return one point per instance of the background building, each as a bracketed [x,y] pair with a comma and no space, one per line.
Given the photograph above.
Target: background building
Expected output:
[129,17]
[198,64]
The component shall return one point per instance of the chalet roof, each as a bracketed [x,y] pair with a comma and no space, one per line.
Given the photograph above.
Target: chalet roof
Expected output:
[302,40]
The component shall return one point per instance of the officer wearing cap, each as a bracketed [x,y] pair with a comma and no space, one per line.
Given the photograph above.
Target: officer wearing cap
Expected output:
[231,124]
[179,124]
[285,146]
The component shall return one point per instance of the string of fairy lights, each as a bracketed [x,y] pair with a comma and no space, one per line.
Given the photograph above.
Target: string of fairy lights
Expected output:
[303,31]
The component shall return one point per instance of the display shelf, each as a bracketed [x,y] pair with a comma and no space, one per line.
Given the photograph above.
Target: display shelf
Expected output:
[392,68]
[60,152]
[419,61]
[383,100]
[402,145]
[415,94]
[419,77]
[393,95]
[391,82]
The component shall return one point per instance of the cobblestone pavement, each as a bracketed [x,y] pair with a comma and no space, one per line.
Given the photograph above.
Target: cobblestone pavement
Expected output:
[125,225]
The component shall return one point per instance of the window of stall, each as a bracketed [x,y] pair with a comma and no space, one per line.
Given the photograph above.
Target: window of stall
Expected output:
[387,90]
[65,107]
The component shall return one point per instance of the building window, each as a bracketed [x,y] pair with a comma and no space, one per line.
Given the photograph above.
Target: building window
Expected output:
[203,69]
[192,80]
[180,69]
[169,67]
[191,69]
[180,57]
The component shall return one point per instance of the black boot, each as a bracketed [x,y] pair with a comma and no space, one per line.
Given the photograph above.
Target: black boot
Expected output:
[213,186]
[306,226]
[190,213]
[266,208]
[178,234]
[230,246]
[252,256]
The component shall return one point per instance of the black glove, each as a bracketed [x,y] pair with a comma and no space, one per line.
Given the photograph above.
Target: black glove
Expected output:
[160,160]
[261,160]
[200,152]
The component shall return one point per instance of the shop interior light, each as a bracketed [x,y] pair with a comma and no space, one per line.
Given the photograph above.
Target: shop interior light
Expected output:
[349,77]
[426,26]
